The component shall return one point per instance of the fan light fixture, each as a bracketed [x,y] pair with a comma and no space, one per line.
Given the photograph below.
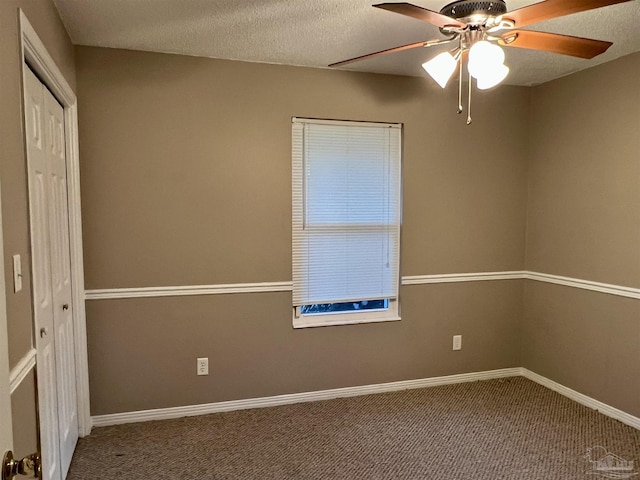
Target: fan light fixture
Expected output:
[485,63]
[442,66]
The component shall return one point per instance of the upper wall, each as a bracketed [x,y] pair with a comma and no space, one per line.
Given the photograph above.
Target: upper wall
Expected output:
[186,167]
[44,18]
[584,175]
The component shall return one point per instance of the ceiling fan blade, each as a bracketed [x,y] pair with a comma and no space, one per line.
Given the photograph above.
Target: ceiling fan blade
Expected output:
[539,12]
[553,42]
[389,50]
[421,14]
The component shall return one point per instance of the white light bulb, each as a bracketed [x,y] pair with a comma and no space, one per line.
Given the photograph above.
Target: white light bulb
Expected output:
[484,57]
[441,67]
[492,77]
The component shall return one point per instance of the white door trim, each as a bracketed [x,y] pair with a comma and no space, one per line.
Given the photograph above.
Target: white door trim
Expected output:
[35,54]
[6,419]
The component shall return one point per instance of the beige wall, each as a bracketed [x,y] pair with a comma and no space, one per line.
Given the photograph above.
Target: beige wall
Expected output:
[186,175]
[25,423]
[584,175]
[584,222]
[142,351]
[43,16]
[186,168]
[584,340]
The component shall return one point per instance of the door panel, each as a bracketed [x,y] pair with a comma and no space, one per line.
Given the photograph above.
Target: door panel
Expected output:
[61,282]
[45,362]
[44,122]
[39,195]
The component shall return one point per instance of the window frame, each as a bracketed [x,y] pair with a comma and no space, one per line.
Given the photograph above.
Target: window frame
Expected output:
[390,314]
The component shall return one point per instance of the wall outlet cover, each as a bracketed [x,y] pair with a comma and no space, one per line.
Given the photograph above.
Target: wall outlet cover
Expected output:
[202,366]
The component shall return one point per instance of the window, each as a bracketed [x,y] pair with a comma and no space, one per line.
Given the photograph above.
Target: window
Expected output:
[346,222]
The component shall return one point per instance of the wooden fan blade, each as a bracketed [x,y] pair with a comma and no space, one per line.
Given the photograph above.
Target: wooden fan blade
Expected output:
[383,52]
[538,12]
[421,14]
[553,42]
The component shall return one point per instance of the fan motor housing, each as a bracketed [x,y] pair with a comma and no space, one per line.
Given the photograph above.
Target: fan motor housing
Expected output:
[473,12]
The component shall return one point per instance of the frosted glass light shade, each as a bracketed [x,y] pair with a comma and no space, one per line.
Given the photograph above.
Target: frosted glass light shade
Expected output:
[441,67]
[493,77]
[484,57]
[484,51]
[486,64]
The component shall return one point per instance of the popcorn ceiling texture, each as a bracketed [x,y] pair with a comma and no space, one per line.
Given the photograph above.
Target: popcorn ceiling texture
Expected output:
[315,33]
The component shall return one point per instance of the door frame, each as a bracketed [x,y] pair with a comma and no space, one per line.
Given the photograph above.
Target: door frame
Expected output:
[6,435]
[34,53]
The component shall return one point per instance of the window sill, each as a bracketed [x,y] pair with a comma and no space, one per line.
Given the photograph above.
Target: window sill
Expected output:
[326,321]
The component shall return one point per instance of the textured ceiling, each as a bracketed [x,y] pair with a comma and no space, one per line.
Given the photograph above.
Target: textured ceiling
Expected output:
[316,33]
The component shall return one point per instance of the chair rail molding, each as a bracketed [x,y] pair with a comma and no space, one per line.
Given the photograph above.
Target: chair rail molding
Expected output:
[611,289]
[22,369]
[462,277]
[264,287]
[188,290]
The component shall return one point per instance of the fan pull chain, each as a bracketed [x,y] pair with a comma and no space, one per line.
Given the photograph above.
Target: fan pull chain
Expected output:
[460,89]
[469,108]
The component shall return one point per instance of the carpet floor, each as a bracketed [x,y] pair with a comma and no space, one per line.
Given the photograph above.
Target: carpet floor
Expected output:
[509,428]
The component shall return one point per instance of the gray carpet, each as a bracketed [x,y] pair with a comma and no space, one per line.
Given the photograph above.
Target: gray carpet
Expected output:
[510,428]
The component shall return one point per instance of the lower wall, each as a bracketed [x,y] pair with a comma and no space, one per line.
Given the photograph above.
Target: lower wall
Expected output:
[584,340]
[23,410]
[253,350]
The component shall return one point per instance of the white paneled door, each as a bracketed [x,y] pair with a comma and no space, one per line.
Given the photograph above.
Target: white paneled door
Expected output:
[51,270]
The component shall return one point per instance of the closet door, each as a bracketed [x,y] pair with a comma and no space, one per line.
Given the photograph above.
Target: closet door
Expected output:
[41,275]
[61,280]
[51,272]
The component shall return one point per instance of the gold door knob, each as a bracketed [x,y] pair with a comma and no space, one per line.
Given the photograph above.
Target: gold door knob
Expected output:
[29,466]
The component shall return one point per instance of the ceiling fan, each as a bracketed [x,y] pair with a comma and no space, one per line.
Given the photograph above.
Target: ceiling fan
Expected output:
[481,27]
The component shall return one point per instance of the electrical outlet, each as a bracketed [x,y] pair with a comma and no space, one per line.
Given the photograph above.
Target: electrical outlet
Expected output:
[457,342]
[203,366]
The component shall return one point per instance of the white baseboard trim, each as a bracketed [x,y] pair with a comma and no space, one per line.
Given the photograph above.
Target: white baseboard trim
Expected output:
[204,409]
[22,369]
[601,407]
[193,410]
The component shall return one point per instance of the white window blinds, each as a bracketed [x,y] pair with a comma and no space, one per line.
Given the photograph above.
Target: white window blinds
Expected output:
[346,211]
